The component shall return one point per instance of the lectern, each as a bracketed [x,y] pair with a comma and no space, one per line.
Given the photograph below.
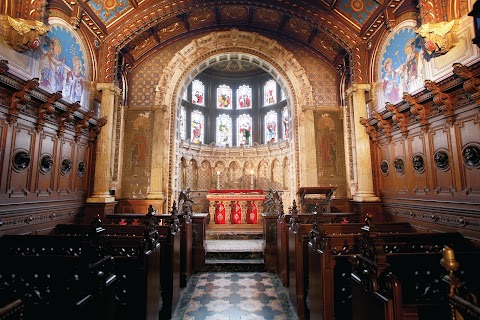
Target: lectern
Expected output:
[316,199]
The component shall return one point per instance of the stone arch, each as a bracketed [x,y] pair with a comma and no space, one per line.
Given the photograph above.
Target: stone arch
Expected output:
[266,53]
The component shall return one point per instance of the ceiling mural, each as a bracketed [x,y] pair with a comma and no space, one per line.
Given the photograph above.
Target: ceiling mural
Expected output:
[357,10]
[109,10]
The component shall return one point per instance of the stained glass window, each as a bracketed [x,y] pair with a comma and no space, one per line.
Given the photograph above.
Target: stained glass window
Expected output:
[286,124]
[224,130]
[271,127]
[183,123]
[244,133]
[270,93]
[184,97]
[198,92]
[283,94]
[244,97]
[198,124]
[224,97]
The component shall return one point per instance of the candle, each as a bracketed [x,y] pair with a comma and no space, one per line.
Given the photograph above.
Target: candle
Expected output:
[218,173]
[251,179]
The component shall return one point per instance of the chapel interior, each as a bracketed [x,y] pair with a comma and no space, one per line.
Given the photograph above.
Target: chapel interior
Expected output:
[238,159]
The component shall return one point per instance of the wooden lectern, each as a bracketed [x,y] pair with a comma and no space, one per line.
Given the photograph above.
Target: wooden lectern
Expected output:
[316,199]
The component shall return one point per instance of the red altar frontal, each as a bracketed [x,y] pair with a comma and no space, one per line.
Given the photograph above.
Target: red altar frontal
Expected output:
[235,206]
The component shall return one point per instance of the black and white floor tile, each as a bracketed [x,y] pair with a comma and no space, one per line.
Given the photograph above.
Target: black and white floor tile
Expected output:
[234,296]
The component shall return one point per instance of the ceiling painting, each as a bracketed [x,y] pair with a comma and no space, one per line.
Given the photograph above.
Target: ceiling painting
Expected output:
[109,10]
[358,11]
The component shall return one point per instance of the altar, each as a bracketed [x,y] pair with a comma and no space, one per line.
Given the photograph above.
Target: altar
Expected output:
[235,206]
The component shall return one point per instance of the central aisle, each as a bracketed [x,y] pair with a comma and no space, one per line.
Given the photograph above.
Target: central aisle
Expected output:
[234,296]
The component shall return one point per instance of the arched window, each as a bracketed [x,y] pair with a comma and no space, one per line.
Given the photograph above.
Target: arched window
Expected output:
[244,130]
[224,130]
[198,92]
[244,97]
[224,97]
[198,124]
[271,127]
[270,93]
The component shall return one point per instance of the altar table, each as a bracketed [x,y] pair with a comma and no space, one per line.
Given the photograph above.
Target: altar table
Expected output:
[237,206]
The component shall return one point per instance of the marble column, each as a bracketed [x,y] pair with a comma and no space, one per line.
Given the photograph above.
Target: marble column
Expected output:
[103,169]
[365,191]
[158,151]
[308,150]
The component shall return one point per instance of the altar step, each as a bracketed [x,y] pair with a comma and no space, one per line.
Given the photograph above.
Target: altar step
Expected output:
[234,232]
[234,255]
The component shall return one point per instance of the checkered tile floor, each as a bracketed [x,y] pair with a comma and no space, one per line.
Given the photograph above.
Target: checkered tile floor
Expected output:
[234,296]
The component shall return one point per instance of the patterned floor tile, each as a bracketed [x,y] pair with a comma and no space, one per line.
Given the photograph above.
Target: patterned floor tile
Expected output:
[234,296]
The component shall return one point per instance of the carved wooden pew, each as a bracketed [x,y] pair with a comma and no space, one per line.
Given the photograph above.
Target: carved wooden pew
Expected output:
[136,253]
[12,310]
[283,223]
[462,284]
[298,235]
[398,276]
[57,277]
[167,226]
[330,248]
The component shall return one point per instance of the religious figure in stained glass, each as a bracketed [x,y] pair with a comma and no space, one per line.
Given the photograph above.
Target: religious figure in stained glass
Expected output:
[270,93]
[224,130]
[244,97]
[271,127]
[286,123]
[183,123]
[198,91]
[197,127]
[224,97]
[244,127]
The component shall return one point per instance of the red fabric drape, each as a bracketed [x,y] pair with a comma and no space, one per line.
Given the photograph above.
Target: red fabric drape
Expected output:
[252,213]
[220,214]
[236,213]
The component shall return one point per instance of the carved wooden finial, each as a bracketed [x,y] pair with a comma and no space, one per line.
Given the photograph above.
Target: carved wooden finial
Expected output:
[371,131]
[442,100]
[384,125]
[3,66]
[399,118]
[421,112]
[47,108]
[19,99]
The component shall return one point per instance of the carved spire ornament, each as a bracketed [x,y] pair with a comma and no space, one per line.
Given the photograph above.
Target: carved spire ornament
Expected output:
[399,118]
[23,35]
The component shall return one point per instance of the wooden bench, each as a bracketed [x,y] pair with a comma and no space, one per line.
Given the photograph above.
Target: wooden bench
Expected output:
[12,310]
[57,277]
[330,247]
[136,252]
[169,237]
[298,235]
[398,276]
